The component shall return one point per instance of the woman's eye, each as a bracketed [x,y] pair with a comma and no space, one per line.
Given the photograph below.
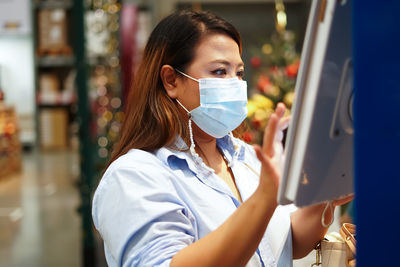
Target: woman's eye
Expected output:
[219,72]
[240,74]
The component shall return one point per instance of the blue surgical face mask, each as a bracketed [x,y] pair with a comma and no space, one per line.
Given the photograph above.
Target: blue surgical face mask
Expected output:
[222,105]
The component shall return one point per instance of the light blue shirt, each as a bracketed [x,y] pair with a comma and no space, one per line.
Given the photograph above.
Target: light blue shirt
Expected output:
[149,206]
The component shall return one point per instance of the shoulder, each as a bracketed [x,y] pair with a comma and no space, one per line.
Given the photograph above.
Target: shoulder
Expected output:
[130,176]
[135,165]
[138,161]
[134,158]
[131,171]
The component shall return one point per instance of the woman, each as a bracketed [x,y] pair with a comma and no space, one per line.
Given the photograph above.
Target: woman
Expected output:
[181,190]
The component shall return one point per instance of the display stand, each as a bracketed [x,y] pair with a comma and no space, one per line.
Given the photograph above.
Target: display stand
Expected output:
[54,72]
[377,130]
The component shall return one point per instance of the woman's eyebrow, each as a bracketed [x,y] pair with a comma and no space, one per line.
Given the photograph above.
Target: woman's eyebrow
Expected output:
[225,62]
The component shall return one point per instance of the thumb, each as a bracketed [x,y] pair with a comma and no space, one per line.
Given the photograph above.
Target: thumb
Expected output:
[268,169]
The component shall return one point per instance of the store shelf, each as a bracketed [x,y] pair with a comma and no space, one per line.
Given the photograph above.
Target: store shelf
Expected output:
[55,65]
[53,4]
[53,123]
[54,105]
[55,61]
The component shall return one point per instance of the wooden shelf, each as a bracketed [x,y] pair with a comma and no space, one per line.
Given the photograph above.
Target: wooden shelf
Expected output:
[54,105]
[52,4]
[55,61]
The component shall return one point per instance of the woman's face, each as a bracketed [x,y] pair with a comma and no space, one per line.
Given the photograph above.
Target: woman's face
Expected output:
[216,56]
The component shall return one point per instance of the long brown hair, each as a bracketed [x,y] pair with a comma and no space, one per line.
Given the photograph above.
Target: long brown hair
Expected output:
[152,118]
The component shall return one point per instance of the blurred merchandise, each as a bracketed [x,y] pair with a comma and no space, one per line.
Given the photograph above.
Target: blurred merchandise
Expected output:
[27,129]
[52,32]
[55,74]
[50,92]
[10,146]
[49,87]
[96,33]
[143,32]
[275,67]
[135,29]
[53,123]
[115,37]
[102,27]
[1,94]
[68,94]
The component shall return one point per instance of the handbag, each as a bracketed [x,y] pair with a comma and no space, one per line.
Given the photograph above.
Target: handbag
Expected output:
[337,249]
[348,233]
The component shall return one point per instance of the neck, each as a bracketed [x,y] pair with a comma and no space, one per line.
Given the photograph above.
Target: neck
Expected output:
[206,147]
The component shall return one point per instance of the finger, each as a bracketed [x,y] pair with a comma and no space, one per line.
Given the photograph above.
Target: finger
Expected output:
[263,159]
[280,109]
[269,135]
[284,123]
[344,200]
[267,166]
[258,151]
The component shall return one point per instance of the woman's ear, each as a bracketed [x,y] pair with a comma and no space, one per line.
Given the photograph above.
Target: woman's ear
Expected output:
[168,78]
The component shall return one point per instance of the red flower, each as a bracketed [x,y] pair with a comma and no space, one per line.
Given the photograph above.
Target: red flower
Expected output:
[264,84]
[292,69]
[256,123]
[273,69]
[255,62]
[248,137]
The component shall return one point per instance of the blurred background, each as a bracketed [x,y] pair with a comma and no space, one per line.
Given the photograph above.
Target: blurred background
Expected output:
[65,69]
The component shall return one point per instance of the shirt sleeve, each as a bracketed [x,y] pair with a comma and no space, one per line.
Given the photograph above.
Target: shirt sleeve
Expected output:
[279,232]
[276,245]
[140,216]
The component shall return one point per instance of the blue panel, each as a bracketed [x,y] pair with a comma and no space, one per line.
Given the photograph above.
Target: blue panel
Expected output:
[377,130]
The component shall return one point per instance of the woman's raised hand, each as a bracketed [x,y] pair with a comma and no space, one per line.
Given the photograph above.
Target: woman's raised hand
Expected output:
[271,152]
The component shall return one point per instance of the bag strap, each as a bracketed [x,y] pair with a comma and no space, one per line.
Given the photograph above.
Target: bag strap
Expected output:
[318,261]
[348,232]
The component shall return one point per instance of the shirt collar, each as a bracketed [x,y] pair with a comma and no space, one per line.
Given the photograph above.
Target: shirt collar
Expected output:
[178,150]
[232,149]
[176,160]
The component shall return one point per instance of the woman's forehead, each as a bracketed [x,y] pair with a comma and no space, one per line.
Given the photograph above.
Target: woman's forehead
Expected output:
[218,48]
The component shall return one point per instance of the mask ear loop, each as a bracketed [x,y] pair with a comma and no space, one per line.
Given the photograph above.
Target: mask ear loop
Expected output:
[188,76]
[330,205]
[192,145]
[237,150]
